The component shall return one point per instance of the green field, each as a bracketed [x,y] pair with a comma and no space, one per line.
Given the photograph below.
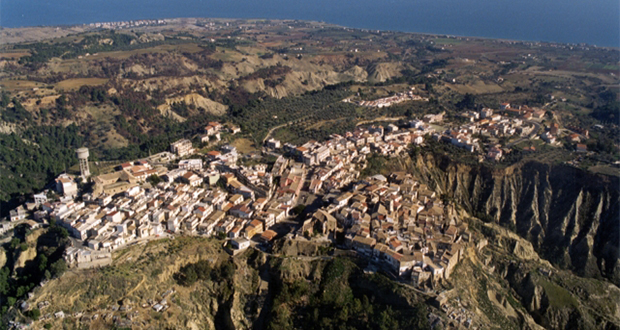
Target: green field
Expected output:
[448,41]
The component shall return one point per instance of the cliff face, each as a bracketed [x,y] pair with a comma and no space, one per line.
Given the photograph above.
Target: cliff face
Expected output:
[570,216]
[553,298]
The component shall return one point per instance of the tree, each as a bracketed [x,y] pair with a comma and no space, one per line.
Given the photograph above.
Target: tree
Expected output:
[429,87]
[299,209]
[42,261]
[34,314]
[4,280]
[468,102]
[14,243]
[190,276]
[58,268]
[154,179]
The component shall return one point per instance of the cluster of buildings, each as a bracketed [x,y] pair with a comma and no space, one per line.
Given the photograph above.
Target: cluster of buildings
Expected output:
[573,134]
[214,196]
[337,162]
[391,100]
[215,129]
[485,123]
[522,111]
[127,24]
[398,223]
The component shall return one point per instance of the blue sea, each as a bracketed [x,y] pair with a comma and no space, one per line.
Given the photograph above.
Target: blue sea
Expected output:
[596,22]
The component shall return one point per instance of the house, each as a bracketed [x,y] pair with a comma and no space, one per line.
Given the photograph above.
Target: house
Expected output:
[363,245]
[548,137]
[240,243]
[273,144]
[40,199]
[486,112]
[192,179]
[234,232]
[210,130]
[582,148]
[5,227]
[114,216]
[255,227]
[203,211]
[182,147]
[435,269]
[214,155]
[315,186]
[66,186]
[17,214]
[215,125]
[268,235]
[538,114]
[278,214]
[191,164]
[234,129]
[554,128]
[343,199]
[241,211]
[224,226]
[191,224]
[236,199]
[495,153]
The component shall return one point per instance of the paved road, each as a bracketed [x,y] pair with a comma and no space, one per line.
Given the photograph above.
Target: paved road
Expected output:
[359,123]
[277,127]
[537,126]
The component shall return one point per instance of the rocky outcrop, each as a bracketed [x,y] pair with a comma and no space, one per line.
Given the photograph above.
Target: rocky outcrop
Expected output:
[196,100]
[554,298]
[290,247]
[380,72]
[570,216]
[3,258]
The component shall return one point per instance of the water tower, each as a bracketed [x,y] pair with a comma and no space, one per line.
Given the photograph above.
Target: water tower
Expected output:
[82,155]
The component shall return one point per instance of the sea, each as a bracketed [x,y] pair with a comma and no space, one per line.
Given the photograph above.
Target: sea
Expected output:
[595,22]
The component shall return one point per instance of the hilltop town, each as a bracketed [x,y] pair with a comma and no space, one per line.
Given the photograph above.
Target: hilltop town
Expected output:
[397,220]
[289,156]
[184,191]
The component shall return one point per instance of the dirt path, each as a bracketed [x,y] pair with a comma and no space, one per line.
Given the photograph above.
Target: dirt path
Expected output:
[137,286]
[364,122]
[278,127]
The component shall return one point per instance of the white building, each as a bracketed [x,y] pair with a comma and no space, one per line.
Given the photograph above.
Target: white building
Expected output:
[191,164]
[182,147]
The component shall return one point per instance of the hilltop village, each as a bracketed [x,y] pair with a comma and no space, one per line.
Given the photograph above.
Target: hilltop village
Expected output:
[396,221]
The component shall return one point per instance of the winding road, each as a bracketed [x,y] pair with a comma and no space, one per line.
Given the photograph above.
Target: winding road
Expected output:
[537,126]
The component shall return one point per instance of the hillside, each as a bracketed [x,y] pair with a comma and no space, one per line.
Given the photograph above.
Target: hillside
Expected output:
[502,285]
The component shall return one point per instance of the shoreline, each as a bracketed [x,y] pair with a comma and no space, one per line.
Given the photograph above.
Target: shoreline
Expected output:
[87,27]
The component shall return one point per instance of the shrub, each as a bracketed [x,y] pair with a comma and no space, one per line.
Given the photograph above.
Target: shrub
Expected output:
[34,314]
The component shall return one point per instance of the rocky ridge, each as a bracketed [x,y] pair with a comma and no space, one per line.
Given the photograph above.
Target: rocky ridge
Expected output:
[570,216]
